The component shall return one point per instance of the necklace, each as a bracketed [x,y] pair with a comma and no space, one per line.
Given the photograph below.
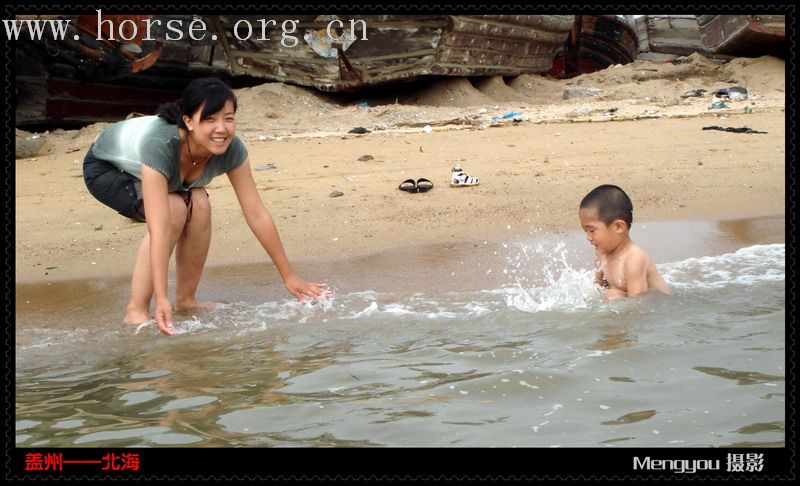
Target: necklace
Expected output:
[191,157]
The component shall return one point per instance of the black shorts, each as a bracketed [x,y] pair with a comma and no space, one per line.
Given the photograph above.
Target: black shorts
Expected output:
[115,188]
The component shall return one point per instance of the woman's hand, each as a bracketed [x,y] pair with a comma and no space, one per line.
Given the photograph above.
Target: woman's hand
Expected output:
[164,316]
[301,289]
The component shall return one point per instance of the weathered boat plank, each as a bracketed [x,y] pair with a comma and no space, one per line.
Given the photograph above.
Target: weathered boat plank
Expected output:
[674,34]
[508,30]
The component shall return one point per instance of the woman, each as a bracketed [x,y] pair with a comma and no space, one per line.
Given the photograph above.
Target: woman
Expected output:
[155,168]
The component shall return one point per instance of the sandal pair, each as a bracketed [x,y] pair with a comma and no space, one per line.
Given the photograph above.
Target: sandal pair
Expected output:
[412,186]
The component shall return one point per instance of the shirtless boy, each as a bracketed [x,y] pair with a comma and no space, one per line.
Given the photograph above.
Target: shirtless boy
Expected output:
[623,268]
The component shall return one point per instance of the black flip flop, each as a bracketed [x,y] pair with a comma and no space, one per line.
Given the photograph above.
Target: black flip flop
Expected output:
[424,185]
[408,185]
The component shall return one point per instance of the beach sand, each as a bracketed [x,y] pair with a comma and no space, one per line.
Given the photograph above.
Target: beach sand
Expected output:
[638,133]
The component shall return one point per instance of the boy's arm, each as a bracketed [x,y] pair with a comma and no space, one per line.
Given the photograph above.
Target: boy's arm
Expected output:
[636,274]
[614,294]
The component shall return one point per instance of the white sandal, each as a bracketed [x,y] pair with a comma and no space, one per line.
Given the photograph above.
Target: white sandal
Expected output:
[461,179]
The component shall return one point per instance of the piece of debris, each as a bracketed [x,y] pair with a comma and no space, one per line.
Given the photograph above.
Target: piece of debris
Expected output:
[98,227]
[732,129]
[336,194]
[71,149]
[694,93]
[718,105]
[734,93]
[28,147]
[266,167]
[512,114]
[365,158]
[427,129]
[359,130]
[570,93]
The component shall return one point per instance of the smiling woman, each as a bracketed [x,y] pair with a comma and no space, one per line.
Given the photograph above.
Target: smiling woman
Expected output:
[155,169]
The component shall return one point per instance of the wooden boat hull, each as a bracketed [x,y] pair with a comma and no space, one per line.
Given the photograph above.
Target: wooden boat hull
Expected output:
[400,48]
[597,42]
[75,82]
[605,41]
[72,83]
[744,35]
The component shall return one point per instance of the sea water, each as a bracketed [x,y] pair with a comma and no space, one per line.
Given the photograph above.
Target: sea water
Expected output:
[489,344]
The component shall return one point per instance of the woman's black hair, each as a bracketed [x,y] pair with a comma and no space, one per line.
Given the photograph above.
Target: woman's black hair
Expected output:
[210,93]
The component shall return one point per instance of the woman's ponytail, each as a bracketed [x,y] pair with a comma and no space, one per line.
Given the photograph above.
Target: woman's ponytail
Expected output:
[172,113]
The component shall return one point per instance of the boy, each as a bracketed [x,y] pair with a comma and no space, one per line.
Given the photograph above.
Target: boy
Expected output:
[623,268]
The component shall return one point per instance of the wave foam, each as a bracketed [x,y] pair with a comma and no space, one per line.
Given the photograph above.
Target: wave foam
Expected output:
[748,266]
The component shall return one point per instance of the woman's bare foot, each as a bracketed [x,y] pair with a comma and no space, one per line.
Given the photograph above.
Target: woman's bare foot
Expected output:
[136,316]
[196,304]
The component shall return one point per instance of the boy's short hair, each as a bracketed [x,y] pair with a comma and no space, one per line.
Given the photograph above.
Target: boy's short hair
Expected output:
[611,203]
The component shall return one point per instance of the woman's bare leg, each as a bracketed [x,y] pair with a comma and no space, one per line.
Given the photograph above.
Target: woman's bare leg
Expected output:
[138,309]
[191,253]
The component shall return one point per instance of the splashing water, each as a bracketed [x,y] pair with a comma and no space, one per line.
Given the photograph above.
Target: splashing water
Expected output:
[560,285]
[540,278]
